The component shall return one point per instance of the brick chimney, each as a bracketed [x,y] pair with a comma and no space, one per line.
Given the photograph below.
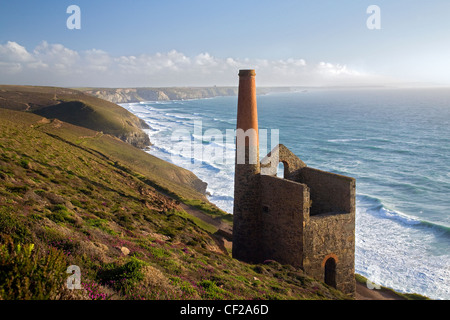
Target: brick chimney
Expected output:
[247,114]
[247,208]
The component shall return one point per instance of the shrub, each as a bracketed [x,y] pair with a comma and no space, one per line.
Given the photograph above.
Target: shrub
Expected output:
[101,224]
[168,231]
[60,214]
[18,190]
[36,216]
[212,291]
[26,274]
[187,289]
[11,225]
[76,203]
[124,277]
[159,252]
[124,220]
[24,163]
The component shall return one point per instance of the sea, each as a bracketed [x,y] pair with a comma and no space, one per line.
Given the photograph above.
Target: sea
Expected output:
[395,142]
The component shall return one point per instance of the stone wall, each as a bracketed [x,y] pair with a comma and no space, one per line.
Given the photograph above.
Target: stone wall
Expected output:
[329,229]
[330,193]
[331,236]
[306,220]
[282,218]
[281,153]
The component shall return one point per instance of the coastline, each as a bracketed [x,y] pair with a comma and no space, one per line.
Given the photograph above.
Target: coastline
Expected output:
[363,292]
[137,95]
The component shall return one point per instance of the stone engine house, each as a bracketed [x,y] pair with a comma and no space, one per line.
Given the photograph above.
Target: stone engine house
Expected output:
[306,219]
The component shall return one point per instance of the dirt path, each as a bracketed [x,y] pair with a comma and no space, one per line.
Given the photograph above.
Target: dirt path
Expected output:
[223,236]
[216,222]
[364,293]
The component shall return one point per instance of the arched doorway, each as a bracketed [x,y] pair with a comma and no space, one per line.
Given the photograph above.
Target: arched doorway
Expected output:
[330,272]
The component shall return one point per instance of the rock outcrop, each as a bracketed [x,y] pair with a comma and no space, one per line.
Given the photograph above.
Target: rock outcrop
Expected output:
[122,95]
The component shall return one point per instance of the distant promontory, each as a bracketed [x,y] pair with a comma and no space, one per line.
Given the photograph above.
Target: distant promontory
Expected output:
[128,95]
[77,108]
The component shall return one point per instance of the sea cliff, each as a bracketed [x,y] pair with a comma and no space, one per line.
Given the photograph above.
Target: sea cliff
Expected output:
[127,95]
[77,108]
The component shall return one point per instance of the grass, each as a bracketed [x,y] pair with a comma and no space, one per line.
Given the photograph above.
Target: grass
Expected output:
[407,296]
[75,107]
[211,290]
[59,213]
[198,222]
[101,224]
[29,274]
[124,276]
[12,227]
[209,209]
[95,206]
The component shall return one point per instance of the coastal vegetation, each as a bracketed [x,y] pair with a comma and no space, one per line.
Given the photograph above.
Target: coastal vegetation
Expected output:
[74,196]
[77,108]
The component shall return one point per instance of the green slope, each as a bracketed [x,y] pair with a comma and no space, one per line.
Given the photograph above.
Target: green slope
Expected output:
[77,108]
[73,196]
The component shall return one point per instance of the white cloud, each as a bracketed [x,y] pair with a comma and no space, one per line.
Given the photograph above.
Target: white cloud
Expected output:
[330,69]
[14,52]
[56,55]
[8,68]
[97,60]
[54,64]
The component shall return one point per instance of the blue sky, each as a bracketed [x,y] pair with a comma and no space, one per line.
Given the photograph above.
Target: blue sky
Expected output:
[199,42]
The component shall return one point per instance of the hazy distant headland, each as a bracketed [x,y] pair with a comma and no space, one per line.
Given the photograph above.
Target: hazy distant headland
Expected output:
[77,108]
[127,95]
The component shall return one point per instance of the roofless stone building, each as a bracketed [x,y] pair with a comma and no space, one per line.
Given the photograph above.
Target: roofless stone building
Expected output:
[306,219]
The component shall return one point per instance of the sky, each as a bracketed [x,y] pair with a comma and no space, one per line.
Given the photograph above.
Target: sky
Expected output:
[205,42]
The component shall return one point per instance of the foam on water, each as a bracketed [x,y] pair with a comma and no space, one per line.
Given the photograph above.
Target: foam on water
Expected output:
[399,252]
[402,225]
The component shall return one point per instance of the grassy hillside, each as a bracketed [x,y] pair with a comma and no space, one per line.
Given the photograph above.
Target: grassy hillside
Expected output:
[73,196]
[77,108]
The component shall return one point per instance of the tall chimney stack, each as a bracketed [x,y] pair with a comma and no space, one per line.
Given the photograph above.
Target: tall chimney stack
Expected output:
[247,209]
[247,114]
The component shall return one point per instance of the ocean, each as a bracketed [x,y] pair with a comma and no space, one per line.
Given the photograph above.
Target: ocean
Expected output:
[395,142]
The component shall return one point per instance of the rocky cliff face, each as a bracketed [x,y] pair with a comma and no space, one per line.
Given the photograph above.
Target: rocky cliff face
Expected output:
[127,95]
[116,96]
[119,95]
[138,139]
[80,109]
